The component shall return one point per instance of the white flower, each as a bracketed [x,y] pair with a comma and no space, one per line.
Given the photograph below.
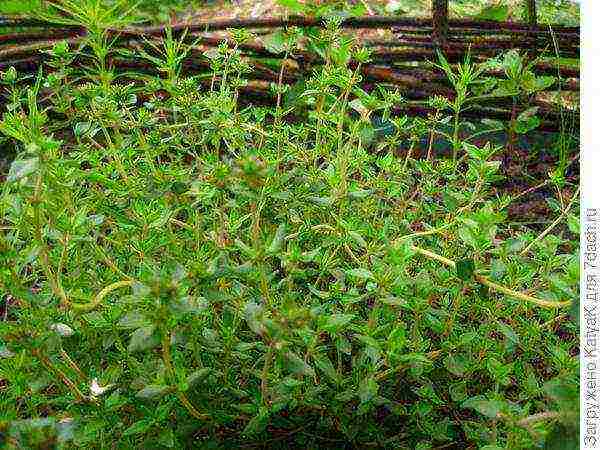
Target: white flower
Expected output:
[62,329]
[98,390]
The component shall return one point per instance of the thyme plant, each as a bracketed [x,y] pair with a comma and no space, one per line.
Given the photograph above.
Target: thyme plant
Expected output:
[182,268]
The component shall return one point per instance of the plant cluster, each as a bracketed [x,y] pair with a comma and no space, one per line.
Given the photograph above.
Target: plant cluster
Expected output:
[179,268]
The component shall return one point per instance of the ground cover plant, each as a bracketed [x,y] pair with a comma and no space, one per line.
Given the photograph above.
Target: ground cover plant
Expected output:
[182,268]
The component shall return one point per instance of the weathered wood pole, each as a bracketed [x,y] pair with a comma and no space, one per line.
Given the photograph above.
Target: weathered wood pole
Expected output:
[532,20]
[531,13]
[440,23]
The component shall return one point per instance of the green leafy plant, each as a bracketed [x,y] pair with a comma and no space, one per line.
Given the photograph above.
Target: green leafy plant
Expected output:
[180,265]
[521,84]
[469,84]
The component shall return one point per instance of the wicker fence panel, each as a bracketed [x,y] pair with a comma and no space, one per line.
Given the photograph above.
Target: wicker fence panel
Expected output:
[402,60]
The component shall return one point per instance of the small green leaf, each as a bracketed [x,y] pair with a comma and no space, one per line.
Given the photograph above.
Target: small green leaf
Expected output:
[5,352]
[275,42]
[318,293]
[178,187]
[83,128]
[187,304]
[325,365]
[527,121]
[509,333]
[356,237]
[65,430]
[397,339]
[498,269]
[277,241]
[458,391]
[152,392]
[543,82]
[132,320]
[574,311]
[343,345]
[322,201]
[358,10]
[62,329]
[166,438]
[336,322]
[139,427]
[257,424]
[499,370]
[297,365]
[493,124]
[392,301]
[368,389]
[142,339]
[161,221]
[360,273]
[360,193]
[488,408]
[253,313]
[456,364]
[465,269]
[561,391]
[573,223]
[245,248]
[10,75]
[20,168]
[358,106]
[195,378]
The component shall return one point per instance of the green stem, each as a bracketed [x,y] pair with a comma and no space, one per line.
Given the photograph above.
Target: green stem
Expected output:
[166,354]
[56,371]
[491,285]
[86,307]
[455,141]
[552,225]
[264,378]
[43,255]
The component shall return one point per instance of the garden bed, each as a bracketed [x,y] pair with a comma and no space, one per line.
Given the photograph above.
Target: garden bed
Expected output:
[309,259]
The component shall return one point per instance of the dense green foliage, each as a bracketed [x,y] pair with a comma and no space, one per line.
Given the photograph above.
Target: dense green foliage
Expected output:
[179,269]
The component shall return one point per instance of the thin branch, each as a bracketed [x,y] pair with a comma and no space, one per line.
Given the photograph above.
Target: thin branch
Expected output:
[539,417]
[490,284]
[64,378]
[97,301]
[558,220]
[166,353]
[73,365]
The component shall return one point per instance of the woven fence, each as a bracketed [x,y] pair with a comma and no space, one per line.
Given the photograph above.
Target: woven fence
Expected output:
[402,59]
